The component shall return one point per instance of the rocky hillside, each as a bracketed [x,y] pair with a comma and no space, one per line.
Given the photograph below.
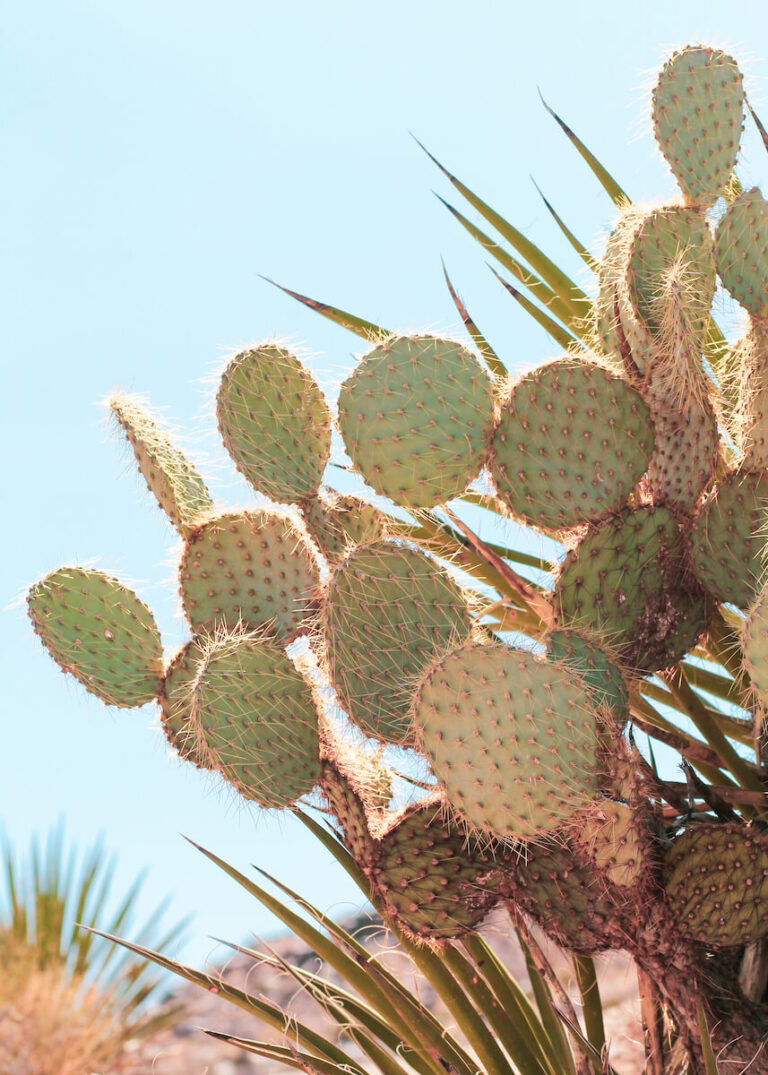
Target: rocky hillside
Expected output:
[187,1051]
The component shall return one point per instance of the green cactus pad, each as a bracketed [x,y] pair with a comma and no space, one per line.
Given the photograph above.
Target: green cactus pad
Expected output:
[251,567]
[511,738]
[663,238]
[748,359]
[601,675]
[629,582]
[176,701]
[342,521]
[615,840]
[686,453]
[716,878]
[754,645]
[427,878]
[741,247]
[577,906]
[100,632]
[389,610]
[179,489]
[729,536]
[343,795]
[612,286]
[255,720]
[572,442]
[698,116]
[415,417]
[274,422]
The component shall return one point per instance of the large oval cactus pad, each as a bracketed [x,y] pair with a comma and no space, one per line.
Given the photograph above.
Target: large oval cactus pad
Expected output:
[254,568]
[729,536]
[415,416]
[274,422]
[512,739]
[99,631]
[572,442]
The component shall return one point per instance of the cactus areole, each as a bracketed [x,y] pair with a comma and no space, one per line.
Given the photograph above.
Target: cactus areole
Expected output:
[639,447]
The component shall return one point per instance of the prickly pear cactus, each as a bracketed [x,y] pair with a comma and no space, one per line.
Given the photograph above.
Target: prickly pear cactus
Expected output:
[334,642]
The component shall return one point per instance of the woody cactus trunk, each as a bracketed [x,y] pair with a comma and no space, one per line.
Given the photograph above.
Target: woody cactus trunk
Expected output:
[517,687]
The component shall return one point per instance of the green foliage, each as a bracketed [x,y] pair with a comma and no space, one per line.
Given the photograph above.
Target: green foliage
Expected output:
[642,450]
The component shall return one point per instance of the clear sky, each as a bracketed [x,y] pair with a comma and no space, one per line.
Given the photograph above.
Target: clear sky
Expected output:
[156,158]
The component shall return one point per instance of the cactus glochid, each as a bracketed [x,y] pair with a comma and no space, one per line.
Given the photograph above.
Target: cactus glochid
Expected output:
[643,451]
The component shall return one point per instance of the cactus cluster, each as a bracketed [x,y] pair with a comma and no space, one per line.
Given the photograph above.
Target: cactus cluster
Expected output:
[643,450]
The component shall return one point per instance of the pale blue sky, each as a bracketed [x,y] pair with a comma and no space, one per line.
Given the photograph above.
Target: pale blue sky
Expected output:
[156,158]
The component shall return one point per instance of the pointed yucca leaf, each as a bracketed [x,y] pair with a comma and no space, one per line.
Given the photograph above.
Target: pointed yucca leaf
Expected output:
[496,366]
[549,1014]
[542,291]
[609,184]
[366,329]
[499,1023]
[516,1006]
[552,275]
[560,335]
[592,262]
[761,129]
[360,972]
[267,1011]
[707,1052]
[292,1058]
[591,1004]
[346,1006]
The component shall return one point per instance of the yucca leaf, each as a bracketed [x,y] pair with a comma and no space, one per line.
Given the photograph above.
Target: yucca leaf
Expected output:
[577,245]
[549,1015]
[561,336]
[591,1004]
[366,329]
[552,275]
[761,129]
[313,1065]
[535,284]
[265,1010]
[609,184]
[496,366]
[707,1052]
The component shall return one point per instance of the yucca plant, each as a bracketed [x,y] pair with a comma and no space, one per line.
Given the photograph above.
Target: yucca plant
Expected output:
[512,687]
[69,1002]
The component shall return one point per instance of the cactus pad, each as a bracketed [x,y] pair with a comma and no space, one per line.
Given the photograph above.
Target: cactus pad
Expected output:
[345,800]
[741,245]
[274,422]
[728,538]
[716,878]
[511,738]
[601,675]
[426,876]
[576,905]
[415,416]
[100,632]
[252,567]
[698,116]
[665,238]
[179,489]
[255,720]
[686,453]
[615,840]
[629,582]
[389,610]
[176,701]
[572,442]
[339,522]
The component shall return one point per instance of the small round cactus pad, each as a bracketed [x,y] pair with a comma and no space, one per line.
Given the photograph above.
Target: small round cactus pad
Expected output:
[252,567]
[698,116]
[601,675]
[415,416]
[176,701]
[717,882]
[572,442]
[729,535]
[274,422]
[341,521]
[741,245]
[99,631]
[389,610]
[512,739]
[629,582]
[255,720]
